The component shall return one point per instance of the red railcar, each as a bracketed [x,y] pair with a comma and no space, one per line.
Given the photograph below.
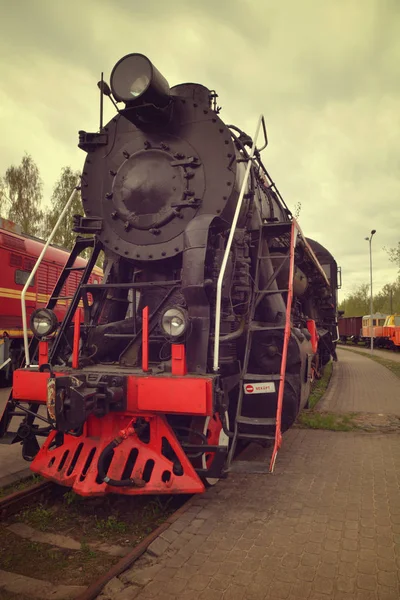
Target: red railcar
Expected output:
[18,255]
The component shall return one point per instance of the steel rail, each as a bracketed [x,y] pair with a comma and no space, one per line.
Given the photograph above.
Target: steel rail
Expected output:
[9,505]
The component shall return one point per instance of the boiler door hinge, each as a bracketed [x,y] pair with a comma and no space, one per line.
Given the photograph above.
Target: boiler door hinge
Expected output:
[190,161]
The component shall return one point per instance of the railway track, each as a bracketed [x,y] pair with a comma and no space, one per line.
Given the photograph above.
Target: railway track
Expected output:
[50,535]
[54,544]
[15,502]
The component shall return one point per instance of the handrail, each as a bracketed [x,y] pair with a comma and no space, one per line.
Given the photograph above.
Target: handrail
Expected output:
[312,254]
[295,230]
[35,268]
[229,244]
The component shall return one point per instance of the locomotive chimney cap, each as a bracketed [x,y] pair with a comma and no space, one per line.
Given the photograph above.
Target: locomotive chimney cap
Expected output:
[135,81]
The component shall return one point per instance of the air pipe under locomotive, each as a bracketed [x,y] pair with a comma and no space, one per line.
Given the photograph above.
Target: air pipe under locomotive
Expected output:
[214,315]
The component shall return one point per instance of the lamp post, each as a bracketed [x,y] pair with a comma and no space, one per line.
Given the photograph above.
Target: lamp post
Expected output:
[369,239]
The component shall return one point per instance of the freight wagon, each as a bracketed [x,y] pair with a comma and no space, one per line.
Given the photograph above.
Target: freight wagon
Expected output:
[350,329]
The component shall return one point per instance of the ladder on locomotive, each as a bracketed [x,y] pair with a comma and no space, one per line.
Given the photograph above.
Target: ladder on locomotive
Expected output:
[287,234]
[81,244]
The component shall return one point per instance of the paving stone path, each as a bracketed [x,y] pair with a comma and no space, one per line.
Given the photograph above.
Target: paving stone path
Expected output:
[325,526]
[361,385]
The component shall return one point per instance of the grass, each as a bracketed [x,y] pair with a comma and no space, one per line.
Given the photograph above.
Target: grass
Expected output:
[42,561]
[325,420]
[110,525]
[392,365]
[114,519]
[320,386]
[111,517]
[312,419]
[71,498]
[38,517]
[87,551]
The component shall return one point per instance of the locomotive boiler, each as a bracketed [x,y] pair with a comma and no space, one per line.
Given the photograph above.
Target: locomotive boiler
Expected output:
[214,315]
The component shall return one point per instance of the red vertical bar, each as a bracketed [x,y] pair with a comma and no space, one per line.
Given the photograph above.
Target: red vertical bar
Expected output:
[77,335]
[145,339]
[314,335]
[178,359]
[43,353]
[278,432]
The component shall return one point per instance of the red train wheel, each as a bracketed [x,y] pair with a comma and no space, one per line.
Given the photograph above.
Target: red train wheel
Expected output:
[211,427]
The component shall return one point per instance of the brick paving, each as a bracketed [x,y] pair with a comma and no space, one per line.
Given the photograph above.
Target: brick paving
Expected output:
[325,526]
[361,385]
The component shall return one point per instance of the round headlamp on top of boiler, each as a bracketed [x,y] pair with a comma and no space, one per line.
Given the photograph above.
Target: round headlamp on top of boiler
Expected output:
[43,323]
[149,179]
[136,81]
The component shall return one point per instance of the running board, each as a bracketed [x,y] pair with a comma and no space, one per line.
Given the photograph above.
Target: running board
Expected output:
[254,436]
[263,421]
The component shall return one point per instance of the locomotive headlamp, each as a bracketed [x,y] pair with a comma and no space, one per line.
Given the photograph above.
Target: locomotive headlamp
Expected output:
[174,322]
[134,80]
[43,322]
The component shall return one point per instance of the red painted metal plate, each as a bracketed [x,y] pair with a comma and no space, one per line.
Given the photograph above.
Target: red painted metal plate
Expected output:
[180,395]
[30,385]
[74,462]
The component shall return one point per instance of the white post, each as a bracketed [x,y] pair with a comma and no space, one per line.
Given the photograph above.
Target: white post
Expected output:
[228,248]
[371,298]
[35,268]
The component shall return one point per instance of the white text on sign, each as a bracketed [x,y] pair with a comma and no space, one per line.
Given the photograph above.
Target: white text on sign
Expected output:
[265,387]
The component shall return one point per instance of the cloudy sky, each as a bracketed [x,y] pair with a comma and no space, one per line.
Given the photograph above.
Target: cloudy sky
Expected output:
[325,75]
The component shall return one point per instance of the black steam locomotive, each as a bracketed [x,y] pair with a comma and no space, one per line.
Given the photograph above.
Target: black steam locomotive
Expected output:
[214,315]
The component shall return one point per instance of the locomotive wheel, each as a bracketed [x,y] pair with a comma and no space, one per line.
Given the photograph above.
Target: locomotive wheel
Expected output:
[211,427]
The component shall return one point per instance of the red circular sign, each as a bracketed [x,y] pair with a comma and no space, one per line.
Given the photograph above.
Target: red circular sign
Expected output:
[249,389]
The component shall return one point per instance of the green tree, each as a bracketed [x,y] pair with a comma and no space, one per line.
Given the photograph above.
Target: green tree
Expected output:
[21,189]
[388,299]
[4,200]
[356,304]
[297,210]
[62,190]
[394,255]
